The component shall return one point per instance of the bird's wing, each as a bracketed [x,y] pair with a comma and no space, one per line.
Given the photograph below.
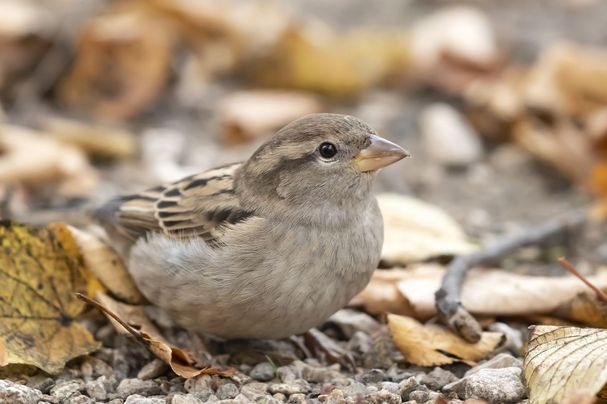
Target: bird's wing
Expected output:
[197,206]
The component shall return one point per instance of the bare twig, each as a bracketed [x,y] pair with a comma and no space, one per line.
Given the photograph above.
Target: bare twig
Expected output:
[569,267]
[448,304]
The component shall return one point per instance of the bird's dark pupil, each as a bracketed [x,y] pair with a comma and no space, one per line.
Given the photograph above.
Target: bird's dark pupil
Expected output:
[327,150]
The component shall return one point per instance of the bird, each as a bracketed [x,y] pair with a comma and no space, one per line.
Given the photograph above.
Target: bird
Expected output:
[266,248]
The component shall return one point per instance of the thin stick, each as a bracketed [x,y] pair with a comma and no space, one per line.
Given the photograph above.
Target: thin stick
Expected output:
[569,267]
[448,304]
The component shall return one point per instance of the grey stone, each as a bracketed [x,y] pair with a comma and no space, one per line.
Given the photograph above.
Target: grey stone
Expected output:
[349,321]
[254,391]
[422,396]
[391,387]
[383,396]
[116,401]
[152,370]
[96,388]
[78,399]
[94,367]
[265,400]
[18,393]
[318,374]
[280,397]
[228,390]
[185,399]
[297,398]
[437,378]
[264,372]
[407,386]
[447,137]
[65,389]
[503,360]
[372,376]
[240,399]
[200,386]
[495,385]
[138,399]
[354,388]
[128,387]
[40,382]
[286,374]
[297,386]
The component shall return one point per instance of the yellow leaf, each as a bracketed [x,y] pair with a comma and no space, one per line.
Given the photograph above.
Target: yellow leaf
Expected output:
[132,319]
[107,266]
[562,362]
[433,345]
[40,270]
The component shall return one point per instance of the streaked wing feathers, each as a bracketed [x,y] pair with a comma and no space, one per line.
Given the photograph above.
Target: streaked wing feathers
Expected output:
[196,206]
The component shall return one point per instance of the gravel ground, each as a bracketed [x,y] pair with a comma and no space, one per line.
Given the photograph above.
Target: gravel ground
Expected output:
[125,372]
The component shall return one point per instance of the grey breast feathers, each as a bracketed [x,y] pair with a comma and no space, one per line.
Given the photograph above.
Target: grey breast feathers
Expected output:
[197,206]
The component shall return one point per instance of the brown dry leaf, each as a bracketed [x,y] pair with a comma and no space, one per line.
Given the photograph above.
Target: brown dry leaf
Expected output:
[122,65]
[32,159]
[97,141]
[415,231]
[434,345]
[248,115]
[562,362]
[585,308]
[107,266]
[25,31]
[40,270]
[134,320]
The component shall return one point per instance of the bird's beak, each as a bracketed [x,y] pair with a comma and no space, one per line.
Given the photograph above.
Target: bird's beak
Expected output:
[380,153]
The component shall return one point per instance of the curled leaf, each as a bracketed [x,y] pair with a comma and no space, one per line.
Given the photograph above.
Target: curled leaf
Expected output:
[138,325]
[434,345]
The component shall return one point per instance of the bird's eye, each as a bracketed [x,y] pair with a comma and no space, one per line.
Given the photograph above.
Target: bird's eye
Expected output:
[327,150]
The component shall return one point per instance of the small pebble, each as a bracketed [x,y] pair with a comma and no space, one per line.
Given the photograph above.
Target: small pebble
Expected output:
[298,386]
[437,378]
[263,372]
[407,386]
[128,387]
[96,388]
[138,399]
[383,397]
[185,399]
[297,398]
[495,385]
[65,389]
[17,393]
[152,370]
[372,376]
[228,390]
[254,391]
[41,382]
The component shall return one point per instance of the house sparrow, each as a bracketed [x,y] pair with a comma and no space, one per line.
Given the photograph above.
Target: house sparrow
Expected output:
[266,248]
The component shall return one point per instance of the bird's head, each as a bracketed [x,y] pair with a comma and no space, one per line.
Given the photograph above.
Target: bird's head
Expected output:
[317,161]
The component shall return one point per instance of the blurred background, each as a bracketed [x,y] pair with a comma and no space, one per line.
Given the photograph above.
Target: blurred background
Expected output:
[502,104]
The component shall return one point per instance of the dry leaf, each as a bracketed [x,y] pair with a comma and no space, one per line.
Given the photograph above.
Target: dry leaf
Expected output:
[382,295]
[561,362]
[122,64]
[312,57]
[134,320]
[97,141]
[40,270]
[248,115]
[416,231]
[585,308]
[107,266]
[518,295]
[32,159]
[434,345]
